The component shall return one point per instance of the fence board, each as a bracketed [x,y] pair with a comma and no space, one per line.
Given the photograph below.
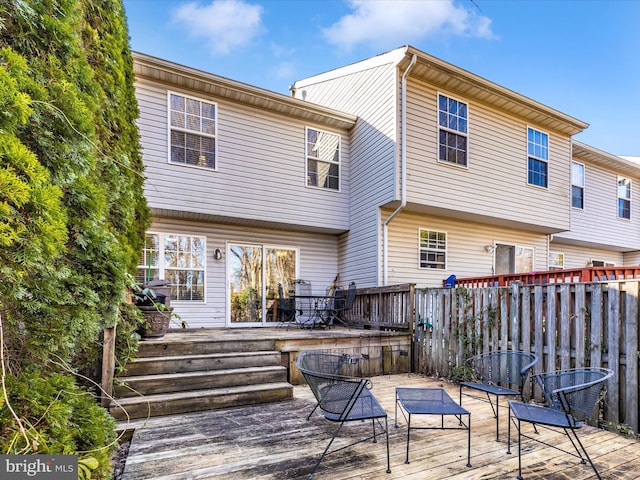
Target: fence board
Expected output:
[566,325]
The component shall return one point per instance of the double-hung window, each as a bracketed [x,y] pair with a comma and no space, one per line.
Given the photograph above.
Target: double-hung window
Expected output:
[577,185]
[452,131]
[624,198]
[323,159]
[192,126]
[556,261]
[177,258]
[538,158]
[433,249]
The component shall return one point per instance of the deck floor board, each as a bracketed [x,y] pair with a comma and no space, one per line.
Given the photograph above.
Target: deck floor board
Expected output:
[275,441]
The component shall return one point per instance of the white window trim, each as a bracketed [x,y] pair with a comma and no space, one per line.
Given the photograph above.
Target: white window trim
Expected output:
[169,128]
[439,127]
[584,181]
[161,267]
[306,160]
[618,197]
[553,267]
[446,250]
[529,127]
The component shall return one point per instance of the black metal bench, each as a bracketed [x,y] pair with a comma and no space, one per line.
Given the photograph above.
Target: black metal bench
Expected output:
[341,398]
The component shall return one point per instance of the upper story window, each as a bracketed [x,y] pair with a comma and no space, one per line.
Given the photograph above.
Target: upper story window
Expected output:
[192,126]
[323,159]
[577,185]
[556,261]
[452,131]
[624,198]
[538,157]
[179,259]
[433,249]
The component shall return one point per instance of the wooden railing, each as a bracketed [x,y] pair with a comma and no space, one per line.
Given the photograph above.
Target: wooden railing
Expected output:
[389,308]
[570,275]
[567,325]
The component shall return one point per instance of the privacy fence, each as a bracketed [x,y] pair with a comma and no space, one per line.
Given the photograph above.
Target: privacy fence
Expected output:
[566,325]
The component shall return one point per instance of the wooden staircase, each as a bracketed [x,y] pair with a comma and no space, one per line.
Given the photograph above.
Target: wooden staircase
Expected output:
[196,374]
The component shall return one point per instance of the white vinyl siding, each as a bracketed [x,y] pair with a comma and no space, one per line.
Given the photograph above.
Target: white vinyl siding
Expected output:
[372,171]
[493,188]
[575,256]
[254,149]
[466,252]
[598,222]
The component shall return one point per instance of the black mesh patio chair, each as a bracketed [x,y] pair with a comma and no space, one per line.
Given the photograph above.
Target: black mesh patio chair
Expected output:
[570,397]
[341,399]
[330,363]
[342,305]
[286,309]
[498,373]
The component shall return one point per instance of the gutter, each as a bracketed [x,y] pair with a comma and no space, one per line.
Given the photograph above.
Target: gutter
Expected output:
[403,173]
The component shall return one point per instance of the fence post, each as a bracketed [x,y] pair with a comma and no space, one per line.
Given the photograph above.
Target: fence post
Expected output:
[108,365]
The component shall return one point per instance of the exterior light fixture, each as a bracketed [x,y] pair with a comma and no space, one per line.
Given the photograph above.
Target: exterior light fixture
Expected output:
[217,254]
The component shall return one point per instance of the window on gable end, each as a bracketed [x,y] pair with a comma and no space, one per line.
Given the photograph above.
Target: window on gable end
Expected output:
[538,158]
[323,159]
[577,185]
[452,131]
[192,127]
[624,198]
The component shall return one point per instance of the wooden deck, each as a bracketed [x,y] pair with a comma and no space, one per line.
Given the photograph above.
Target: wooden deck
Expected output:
[275,441]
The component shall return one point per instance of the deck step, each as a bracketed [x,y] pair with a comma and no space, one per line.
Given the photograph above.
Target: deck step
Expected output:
[198,400]
[192,363]
[132,386]
[198,345]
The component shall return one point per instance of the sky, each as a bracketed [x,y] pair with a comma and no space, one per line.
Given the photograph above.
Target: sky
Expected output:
[581,57]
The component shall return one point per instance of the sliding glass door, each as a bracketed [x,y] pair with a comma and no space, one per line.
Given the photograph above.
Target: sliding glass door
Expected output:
[254,274]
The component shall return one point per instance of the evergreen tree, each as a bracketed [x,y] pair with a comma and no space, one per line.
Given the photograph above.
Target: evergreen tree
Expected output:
[72,212]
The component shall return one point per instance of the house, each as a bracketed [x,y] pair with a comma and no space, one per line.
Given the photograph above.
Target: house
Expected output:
[400,168]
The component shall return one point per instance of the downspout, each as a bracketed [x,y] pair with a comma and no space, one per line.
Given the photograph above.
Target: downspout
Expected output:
[403,173]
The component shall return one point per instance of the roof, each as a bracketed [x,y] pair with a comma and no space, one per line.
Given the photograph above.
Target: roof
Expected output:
[587,153]
[456,80]
[173,74]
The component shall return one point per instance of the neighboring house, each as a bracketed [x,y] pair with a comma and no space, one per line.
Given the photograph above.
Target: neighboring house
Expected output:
[605,218]
[401,168]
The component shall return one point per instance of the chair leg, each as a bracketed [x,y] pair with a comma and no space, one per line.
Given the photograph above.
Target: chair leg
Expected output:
[325,451]
[386,430]
[582,450]
[314,409]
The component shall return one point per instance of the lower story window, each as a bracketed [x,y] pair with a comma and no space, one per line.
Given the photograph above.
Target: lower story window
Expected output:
[433,249]
[556,261]
[179,259]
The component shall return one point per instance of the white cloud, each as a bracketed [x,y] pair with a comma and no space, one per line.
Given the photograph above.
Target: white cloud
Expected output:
[223,24]
[392,23]
[284,70]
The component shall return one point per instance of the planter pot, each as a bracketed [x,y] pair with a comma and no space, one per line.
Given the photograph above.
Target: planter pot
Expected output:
[156,322]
